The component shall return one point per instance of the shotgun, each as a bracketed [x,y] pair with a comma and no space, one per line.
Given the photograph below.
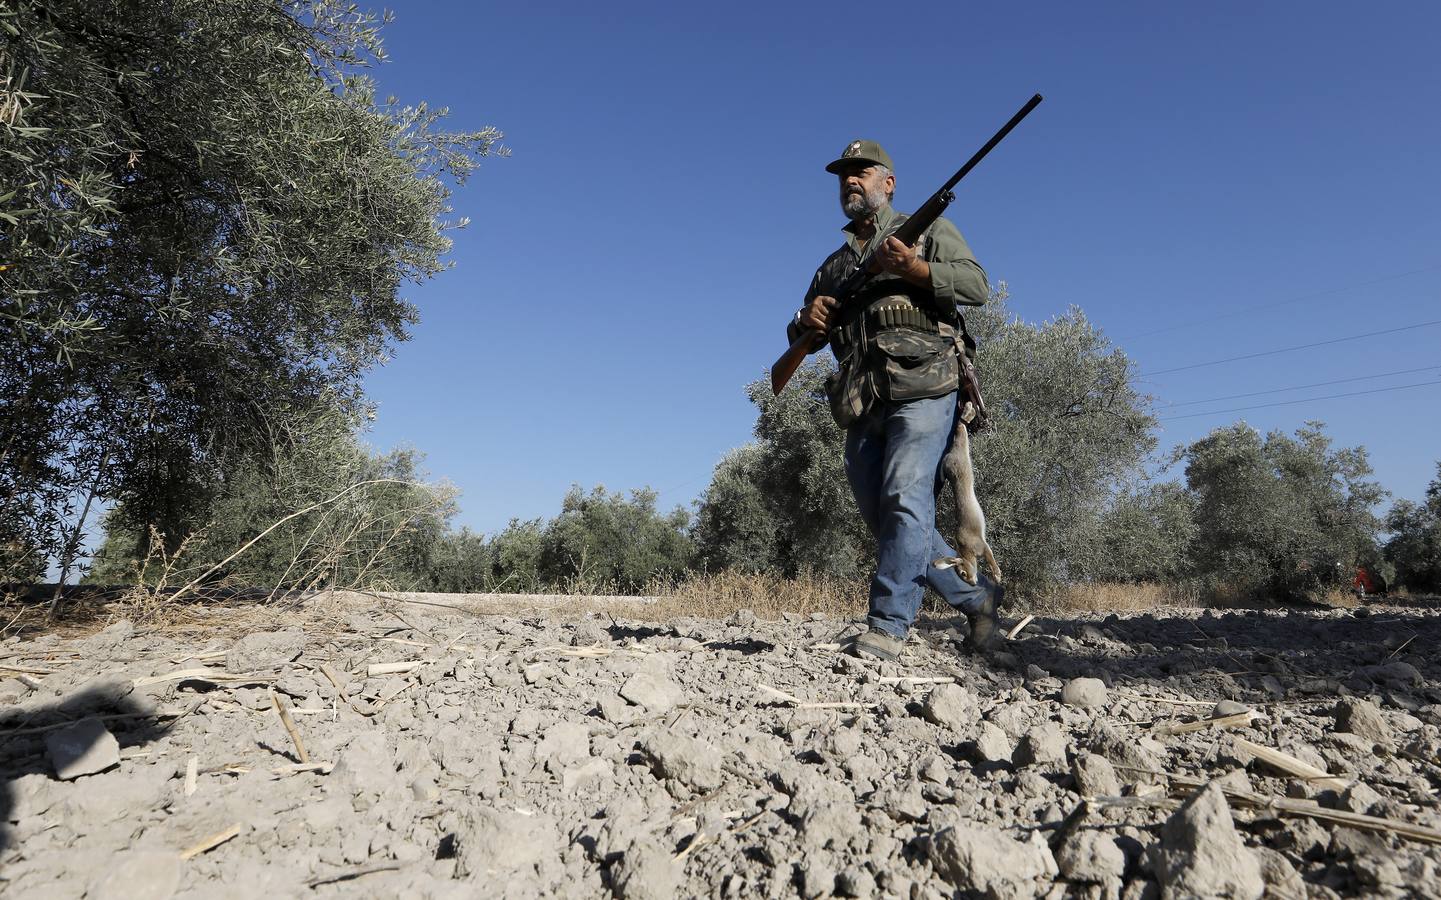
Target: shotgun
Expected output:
[808,341]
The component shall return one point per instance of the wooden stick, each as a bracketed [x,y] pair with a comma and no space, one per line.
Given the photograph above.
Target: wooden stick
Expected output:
[1400,648]
[29,670]
[1293,766]
[393,668]
[1304,808]
[1231,721]
[192,772]
[211,675]
[213,841]
[798,703]
[1011,635]
[199,657]
[289,724]
[1175,701]
[915,679]
[353,874]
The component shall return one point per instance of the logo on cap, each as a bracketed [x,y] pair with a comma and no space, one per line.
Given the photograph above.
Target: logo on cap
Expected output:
[853,149]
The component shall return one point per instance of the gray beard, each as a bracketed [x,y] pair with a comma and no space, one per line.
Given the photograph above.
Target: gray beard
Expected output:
[859,207]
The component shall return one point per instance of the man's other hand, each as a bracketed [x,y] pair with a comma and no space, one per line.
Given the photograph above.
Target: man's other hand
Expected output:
[818,313]
[896,258]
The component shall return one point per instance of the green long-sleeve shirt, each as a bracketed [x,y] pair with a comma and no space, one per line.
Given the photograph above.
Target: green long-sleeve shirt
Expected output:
[956,277]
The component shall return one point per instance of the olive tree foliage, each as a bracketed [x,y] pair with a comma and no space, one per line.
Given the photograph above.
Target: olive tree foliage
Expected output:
[1070,436]
[782,504]
[324,512]
[206,220]
[1414,545]
[601,542]
[1281,515]
[1068,441]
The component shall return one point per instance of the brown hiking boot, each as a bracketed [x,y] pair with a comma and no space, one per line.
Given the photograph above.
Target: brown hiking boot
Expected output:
[984,622]
[878,644]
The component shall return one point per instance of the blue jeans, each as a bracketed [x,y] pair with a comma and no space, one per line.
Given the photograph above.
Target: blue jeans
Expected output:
[893,462]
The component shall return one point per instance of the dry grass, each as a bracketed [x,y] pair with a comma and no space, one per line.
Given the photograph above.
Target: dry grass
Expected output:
[718,595]
[1335,597]
[1108,597]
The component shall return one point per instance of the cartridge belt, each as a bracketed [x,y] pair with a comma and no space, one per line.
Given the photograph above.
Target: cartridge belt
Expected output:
[902,315]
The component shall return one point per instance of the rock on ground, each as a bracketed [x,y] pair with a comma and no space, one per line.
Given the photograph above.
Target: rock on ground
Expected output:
[1086,693]
[82,749]
[1201,855]
[991,863]
[534,754]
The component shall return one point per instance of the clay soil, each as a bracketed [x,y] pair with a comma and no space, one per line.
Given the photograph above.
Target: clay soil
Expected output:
[545,755]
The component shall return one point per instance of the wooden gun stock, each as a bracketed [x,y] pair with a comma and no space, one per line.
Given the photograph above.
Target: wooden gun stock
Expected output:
[791,360]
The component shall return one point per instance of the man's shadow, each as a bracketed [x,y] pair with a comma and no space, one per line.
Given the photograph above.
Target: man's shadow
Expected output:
[24,730]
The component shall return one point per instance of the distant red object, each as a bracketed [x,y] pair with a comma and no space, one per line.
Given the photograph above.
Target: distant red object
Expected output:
[1367,583]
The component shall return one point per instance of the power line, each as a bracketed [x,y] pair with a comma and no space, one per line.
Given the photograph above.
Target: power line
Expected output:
[1249,310]
[1340,340]
[1301,387]
[1217,412]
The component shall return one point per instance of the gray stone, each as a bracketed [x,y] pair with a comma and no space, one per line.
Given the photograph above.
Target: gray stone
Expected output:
[1359,798]
[1395,672]
[1086,693]
[902,802]
[1282,879]
[366,764]
[1092,857]
[12,689]
[137,875]
[265,650]
[933,770]
[577,777]
[490,842]
[646,872]
[855,883]
[951,706]
[1201,855]
[1138,754]
[588,633]
[992,745]
[652,691]
[1228,708]
[614,709]
[424,789]
[694,763]
[564,743]
[1095,777]
[81,749]
[1362,718]
[1044,744]
[991,863]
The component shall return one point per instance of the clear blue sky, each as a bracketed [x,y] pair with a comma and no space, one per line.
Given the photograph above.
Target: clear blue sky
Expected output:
[1204,180]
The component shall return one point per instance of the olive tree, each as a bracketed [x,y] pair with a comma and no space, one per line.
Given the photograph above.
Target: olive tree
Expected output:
[1414,545]
[1282,514]
[207,217]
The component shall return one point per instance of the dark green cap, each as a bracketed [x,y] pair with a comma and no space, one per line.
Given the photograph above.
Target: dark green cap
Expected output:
[861,151]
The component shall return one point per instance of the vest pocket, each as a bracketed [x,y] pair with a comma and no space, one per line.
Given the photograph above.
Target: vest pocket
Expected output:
[915,365]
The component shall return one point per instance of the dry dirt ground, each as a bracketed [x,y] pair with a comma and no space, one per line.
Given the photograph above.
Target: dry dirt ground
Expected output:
[521,756]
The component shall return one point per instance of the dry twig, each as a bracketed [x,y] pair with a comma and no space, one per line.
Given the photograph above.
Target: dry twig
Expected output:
[290,728]
[213,841]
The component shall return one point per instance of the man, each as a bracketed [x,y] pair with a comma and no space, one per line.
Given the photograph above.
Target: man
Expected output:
[898,343]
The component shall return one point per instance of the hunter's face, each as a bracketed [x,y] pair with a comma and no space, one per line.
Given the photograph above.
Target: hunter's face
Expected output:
[865,188]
